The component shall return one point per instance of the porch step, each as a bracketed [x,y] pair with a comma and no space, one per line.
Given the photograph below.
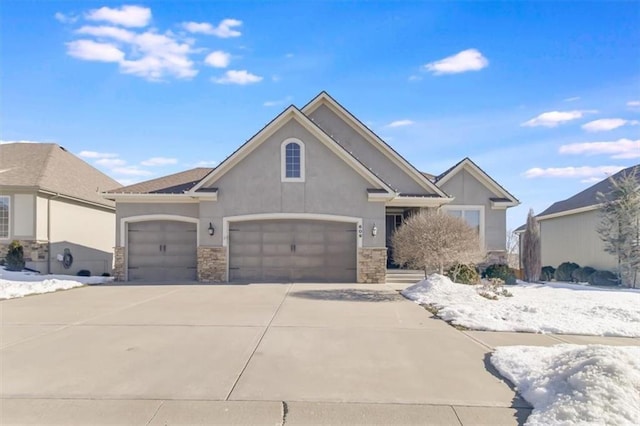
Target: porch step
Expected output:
[403,276]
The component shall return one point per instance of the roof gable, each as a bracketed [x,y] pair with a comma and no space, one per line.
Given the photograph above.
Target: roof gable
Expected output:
[291,113]
[502,195]
[325,99]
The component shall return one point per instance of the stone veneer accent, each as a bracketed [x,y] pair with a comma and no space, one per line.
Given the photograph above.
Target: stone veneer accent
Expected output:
[372,265]
[212,264]
[118,263]
[34,251]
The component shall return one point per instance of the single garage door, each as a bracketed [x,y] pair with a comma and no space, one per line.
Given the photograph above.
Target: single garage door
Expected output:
[292,251]
[162,251]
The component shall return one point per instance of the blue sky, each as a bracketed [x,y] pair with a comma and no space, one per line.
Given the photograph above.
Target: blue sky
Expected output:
[544,96]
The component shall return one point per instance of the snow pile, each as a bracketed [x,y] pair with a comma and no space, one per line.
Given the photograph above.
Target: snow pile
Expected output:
[535,308]
[19,284]
[575,384]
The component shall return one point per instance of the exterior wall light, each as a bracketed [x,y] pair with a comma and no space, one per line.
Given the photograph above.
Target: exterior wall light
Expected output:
[374,230]
[211,229]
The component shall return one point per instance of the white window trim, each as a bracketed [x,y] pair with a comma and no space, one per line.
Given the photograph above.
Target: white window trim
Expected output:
[8,237]
[473,208]
[283,161]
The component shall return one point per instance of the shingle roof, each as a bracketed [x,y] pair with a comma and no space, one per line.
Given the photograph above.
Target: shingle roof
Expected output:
[588,197]
[50,167]
[176,183]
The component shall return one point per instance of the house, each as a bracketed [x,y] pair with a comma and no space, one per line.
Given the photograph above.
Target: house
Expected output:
[313,196]
[568,228]
[50,201]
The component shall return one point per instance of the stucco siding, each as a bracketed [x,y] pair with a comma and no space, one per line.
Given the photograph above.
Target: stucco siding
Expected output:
[574,238]
[24,216]
[42,215]
[365,151]
[254,186]
[125,210]
[469,191]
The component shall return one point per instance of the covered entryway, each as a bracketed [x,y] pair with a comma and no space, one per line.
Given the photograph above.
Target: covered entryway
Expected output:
[162,250]
[292,251]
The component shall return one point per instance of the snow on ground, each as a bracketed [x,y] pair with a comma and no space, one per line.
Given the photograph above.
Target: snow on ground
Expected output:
[536,308]
[19,284]
[575,384]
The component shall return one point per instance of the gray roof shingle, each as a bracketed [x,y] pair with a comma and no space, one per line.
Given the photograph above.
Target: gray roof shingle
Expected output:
[176,183]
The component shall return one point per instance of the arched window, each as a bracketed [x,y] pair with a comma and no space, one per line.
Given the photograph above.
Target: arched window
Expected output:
[292,153]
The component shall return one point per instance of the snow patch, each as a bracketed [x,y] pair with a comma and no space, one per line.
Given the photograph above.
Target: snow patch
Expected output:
[534,308]
[575,384]
[18,284]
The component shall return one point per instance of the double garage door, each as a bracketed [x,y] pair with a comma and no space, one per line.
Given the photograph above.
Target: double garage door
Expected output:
[292,251]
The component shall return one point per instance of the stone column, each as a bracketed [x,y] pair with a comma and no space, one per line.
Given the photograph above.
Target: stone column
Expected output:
[118,263]
[212,264]
[372,265]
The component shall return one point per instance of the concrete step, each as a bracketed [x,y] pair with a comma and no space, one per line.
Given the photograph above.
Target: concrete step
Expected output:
[400,276]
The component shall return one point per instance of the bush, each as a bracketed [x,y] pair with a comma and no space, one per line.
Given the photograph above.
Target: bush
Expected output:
[603,278]
[547,273]
[106,274]
[501,271]
[581,275]
[15,257]
[564,271]
[463,274]
[84,273]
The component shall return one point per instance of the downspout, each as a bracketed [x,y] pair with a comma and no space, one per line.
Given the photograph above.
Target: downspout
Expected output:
[49,231]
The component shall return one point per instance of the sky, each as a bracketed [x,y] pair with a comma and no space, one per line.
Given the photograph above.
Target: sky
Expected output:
[544,96]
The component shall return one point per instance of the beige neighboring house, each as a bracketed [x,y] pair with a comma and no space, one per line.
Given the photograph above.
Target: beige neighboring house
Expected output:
[568,228]
[50,201]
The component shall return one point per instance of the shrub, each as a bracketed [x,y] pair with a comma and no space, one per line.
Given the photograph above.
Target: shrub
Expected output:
[501,271]
[564,271]
[547,273]
[15,257]
[463,274]
[106,274]
[603,278]
[581,275]
[84,273]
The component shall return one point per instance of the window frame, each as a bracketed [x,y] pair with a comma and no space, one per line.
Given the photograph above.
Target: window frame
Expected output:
[478,208]
[8,237]
[283,161]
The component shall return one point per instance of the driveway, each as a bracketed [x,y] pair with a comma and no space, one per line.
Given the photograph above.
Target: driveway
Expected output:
[261,354]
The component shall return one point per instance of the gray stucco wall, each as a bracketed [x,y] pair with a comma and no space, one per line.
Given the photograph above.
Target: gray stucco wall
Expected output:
[124,210]
[365,152]
[574,238]
[254,186]
[468,191]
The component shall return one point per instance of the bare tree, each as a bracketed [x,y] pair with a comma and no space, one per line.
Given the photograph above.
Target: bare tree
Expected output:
[531,257]
[431,240]
[619,226]
[513,249]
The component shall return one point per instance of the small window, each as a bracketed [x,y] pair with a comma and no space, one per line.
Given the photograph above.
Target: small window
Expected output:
[292,161]
[4,217]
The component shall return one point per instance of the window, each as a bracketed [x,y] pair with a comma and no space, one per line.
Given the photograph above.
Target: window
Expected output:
[473,215]
[292,161]
[4,217]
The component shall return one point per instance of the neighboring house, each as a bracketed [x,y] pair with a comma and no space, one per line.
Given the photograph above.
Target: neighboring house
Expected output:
[313,196]
[51,202]
[568,228]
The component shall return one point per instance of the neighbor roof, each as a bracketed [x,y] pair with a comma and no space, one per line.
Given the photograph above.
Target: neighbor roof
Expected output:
[50,167]
[177,183]
[589,197]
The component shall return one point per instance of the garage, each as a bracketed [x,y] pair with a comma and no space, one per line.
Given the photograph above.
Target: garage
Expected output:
[162,250]
[292,251]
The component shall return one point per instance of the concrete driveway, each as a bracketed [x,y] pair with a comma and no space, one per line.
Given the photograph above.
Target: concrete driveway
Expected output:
[242,354]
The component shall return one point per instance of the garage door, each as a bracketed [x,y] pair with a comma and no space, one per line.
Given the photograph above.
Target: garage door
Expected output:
[162,251]
[292,251]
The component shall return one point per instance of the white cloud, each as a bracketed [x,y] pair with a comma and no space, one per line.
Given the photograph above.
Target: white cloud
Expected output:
[90,50]
[277,102]
[554,118]
[241,77]
[159,161]
[289,55]
[400,123]
[65,19]
[572,99]
[573,172]
[106,31]
[223,30]
[605,124]
[2,142]
[218,59]
[415,78]
[591,180]
[633,103]
[111,162]
[467,60]
[127,16]
[206,163]
[94,154]
[131,171]
[620,149]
